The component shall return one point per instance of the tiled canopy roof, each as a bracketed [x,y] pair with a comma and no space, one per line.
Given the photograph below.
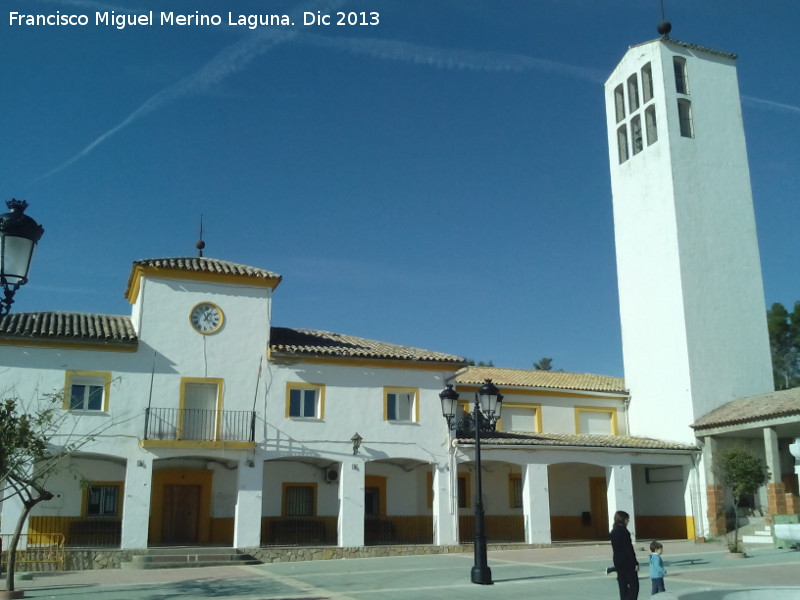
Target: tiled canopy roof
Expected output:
[543,379]
[206,265]
[577,440]
[64,326]
[199,264]
[785,403]
[308,342]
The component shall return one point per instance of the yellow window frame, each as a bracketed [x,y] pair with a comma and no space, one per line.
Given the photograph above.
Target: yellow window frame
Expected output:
[302,385]
[220,383]
[298,484]
[98,376]
[596,409]
[536,408]
[120,485]
[401,390]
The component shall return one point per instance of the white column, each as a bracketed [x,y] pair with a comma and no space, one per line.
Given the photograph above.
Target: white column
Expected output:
[445,507]
[536,504]
[249,495]
[136,507]
[772,455]
[620,494]
[351,504]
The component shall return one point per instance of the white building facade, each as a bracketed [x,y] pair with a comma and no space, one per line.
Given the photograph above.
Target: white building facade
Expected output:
[211,426]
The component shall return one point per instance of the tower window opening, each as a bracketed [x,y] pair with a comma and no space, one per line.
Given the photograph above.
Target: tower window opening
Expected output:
[619,102]
[636,134]
[650,124]
[647,83]
[681,78]
[622,143]
[685,118]
[633,92]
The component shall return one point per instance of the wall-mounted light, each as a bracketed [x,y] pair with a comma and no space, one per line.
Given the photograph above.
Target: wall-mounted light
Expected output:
[356,439]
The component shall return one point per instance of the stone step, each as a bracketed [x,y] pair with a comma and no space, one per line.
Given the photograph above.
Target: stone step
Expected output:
[185,557]
[187,565]
[183,550]
[757,539]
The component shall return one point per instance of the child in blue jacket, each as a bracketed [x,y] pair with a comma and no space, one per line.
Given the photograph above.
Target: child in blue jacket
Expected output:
[657,570]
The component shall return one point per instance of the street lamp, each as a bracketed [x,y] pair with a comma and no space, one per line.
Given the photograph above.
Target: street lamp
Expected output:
[488,403]
[18,236]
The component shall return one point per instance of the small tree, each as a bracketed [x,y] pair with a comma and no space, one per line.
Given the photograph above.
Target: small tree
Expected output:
[543,364]
[743,474]
[28,456]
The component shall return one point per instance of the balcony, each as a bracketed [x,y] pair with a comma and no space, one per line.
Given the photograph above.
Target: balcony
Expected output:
[190,427]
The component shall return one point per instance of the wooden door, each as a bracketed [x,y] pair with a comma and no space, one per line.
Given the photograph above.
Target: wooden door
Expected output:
[181,514]
[598,502]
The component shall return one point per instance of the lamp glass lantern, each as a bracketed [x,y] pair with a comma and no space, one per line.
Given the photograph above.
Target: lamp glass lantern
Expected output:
[490,399]
[19,234]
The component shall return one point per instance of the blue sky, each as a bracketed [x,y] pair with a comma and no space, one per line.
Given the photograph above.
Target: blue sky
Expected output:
[438,180]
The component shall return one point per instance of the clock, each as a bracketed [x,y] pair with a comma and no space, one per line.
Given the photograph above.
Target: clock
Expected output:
[206,318]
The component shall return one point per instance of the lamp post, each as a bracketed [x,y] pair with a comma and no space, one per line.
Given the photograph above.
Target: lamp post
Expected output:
[18,236]
[488,402]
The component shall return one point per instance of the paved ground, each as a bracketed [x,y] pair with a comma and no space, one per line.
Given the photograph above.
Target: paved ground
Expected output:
[556,573]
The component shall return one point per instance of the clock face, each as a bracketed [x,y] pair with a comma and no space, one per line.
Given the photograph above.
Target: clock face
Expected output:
[206,317]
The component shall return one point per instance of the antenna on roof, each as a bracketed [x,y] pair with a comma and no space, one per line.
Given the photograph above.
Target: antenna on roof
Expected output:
[200,243]
[664,27]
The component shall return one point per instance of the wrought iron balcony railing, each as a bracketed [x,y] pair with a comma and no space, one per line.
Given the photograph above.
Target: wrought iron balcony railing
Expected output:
[191,424]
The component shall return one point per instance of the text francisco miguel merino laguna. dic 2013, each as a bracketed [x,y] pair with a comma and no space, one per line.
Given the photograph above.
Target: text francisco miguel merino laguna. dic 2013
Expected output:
[194,19]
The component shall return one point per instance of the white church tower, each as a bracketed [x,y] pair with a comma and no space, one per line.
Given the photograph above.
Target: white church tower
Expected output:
[691,296]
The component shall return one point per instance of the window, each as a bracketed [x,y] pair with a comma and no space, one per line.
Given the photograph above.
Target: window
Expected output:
[633,92]
[647,83]
[619,102]
[299,500]
[650,125]
[515,490]
[87,390]
[305,400]
[520,417]
[201,406]
[663,474]
[400,404]
[599,421]
[102,500]
[636,134]
[622,143]
[681,78]
[685,118]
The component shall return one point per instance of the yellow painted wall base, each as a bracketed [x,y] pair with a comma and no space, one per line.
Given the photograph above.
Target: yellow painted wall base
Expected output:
[664,527]
[222,531]
[572,528]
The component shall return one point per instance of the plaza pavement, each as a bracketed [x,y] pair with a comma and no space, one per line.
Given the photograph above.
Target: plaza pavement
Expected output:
[554,573]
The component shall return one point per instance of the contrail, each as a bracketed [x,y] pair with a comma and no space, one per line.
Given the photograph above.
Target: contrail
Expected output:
[449,59]
[239,55]
[231,60]
[770,105]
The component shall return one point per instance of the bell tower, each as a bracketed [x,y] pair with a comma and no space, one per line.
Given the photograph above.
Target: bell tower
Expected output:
[692,308]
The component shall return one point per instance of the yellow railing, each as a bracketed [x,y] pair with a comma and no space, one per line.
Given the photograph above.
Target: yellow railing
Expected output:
[36,548]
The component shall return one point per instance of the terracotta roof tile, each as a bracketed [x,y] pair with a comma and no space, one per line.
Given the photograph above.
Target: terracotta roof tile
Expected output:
[308,342]
[200,264]
[65,326]
[581,440]
[543,379]
[773,405]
